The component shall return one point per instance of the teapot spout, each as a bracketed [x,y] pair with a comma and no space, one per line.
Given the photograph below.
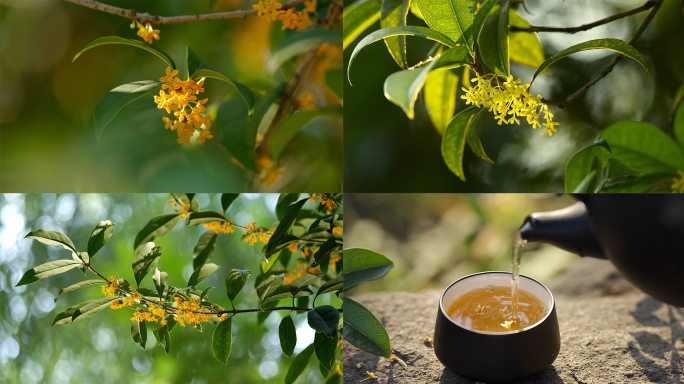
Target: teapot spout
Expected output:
[568,228]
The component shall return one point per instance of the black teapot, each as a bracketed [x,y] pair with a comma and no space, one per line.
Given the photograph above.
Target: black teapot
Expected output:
[641,234]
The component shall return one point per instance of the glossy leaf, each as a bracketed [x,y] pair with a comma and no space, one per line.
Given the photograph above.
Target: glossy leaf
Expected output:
[284,226]
[284,202]
[227,199]
[120,40]
[324,318]
[601,174]
[363,330]
[361,265]
[159,279]
[580,163]
[92,308]
[616,45]
[480,18]
[357,18]
[398,31]
[145,260]
[100,236]
[324,252]
[288,335]
[204,248]
[300,361]
[290,126]
[393,14]
[78,285]
[440,97]
[244,92]
[193,62]
[490,46]
[454,139]
[155,228]
[524,47]
[454,18]
[202,217]
[303,281]
[46,270]
[325,348]
[52,238]
[162,334]
[268,286]
[502,37]
[116,99]
[333,285]
[222,340]
[474,139]
[65,317]
[202,273]
[139,333]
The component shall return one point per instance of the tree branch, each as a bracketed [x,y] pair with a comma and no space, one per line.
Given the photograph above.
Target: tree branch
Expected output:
[649,4]
[612,65]
[144,18]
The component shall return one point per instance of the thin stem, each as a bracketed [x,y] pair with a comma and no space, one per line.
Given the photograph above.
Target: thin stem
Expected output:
[612,65]
[648,5]
[145,18]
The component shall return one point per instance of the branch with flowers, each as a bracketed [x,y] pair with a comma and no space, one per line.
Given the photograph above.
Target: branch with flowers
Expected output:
[314,233]
[483,38]
[309,55]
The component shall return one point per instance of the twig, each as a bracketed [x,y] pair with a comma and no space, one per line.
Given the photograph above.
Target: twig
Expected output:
[670,120]
[612,65]
[649,4]
[144,18]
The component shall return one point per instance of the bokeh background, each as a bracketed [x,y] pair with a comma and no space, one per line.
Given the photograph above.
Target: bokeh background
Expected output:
[47,137]
[435,239]
[100,349]
[385,151]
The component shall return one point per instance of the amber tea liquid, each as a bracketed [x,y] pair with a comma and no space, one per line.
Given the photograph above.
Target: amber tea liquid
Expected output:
[490,309]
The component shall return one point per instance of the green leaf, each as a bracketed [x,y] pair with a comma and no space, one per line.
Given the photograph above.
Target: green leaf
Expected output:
[454,139]
[284,292]
[46,270]
[296,44]
[361,265]
[76,286]
[324,252]
[65,317]
[303,281]
[100,236]
[334,81]
[145,260]
[288,335]
[300,361]
[239,133]
[159,279]
[616,45]
[163,337]
[202,273]
[116,99]
[246,93]
[204,248]
[480,18]
[139,333]
[120,40]
[454,18]
[474,138]
[644,147]
[201,217]
[491,43]
[284,202]
[92,307]
[268,286]
[393,14]
[284,226]
[440,97]
[363,330]
[51,238]
[290,126]
[157,227]
[402,87]
[325,349]
[192,61]
[333,285]
[524,47]
[651,183]
[222,340]
[357,18]
[324,318]
[579,166]
[398,31]
[502,37]
[227,199]
[678,123]
[613,169]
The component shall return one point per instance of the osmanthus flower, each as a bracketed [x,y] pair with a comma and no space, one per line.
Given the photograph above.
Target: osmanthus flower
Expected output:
[324,199]
[508,100]
[255,234]
[271,10]
[678,182]
[112,287]
[306,100]
[146,31]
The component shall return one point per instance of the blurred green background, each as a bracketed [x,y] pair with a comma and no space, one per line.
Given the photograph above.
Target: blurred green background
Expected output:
[385,151]
[435,239]
[47,138]
[100,349]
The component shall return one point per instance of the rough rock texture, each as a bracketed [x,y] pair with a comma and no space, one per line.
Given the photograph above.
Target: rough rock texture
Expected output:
[610,333]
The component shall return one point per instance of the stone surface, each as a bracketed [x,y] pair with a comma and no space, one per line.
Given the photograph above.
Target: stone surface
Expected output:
[610,333]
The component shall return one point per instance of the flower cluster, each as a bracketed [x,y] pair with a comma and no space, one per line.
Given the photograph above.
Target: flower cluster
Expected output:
[112,287]
[182,102]
[128,300]
[678,182]
[255,234]
[271,11]
[192,312]
[510,99]
[299,271]
[146,31]
[185,208]
[221,226]
[324,199]
[306,100]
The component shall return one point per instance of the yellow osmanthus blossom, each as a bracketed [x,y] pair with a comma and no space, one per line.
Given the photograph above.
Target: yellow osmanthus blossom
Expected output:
[310,6]
[306,100]
[111,288]
[181,101]
[271,10]
[269,176]
[255,234]
[338,230]
[185,208]
[146,31]
[127,301]
[510,99]
[299,271]
[678,182]
[221,226]
[324,199]
[192,312]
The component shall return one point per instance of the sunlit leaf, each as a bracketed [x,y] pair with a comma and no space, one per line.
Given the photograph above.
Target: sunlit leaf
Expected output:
[361,265]
[393,14]
[155,228]
[145,260]
[139,333]
[202,273]
[52,238]
[92,308]
[46,270]
[454,139]
[363,330]
[358,17]
[100,236]
[78,285]
[453,18]
[120,40]
[204,248]
[159,279]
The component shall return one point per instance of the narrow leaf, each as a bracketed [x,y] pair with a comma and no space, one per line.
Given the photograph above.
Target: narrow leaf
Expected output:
[204,248]
[76,286]
[46,270]
[288,335]
[235,281]
[300,362]
[333,285]
[481,17]
[139,333]
[357,18]
[303,281]
[202,217]
[120,40]
[193,62]
[92,308]
[159,279]
[325,349]
[100,236]
[65,317]
[116,99]
[361,265]
[324,252]
[284,226]
[246,93]
[324,318]
[474,138]
[440,97]
[393,14]
[290,126]
[222,340]
[502,37]
[155,228]
[52,238]
[268,286]
[202,273]
[491,43]
[284,202]
[454,139]
[227,199]
[162,334]
[363,330]
[145,260]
